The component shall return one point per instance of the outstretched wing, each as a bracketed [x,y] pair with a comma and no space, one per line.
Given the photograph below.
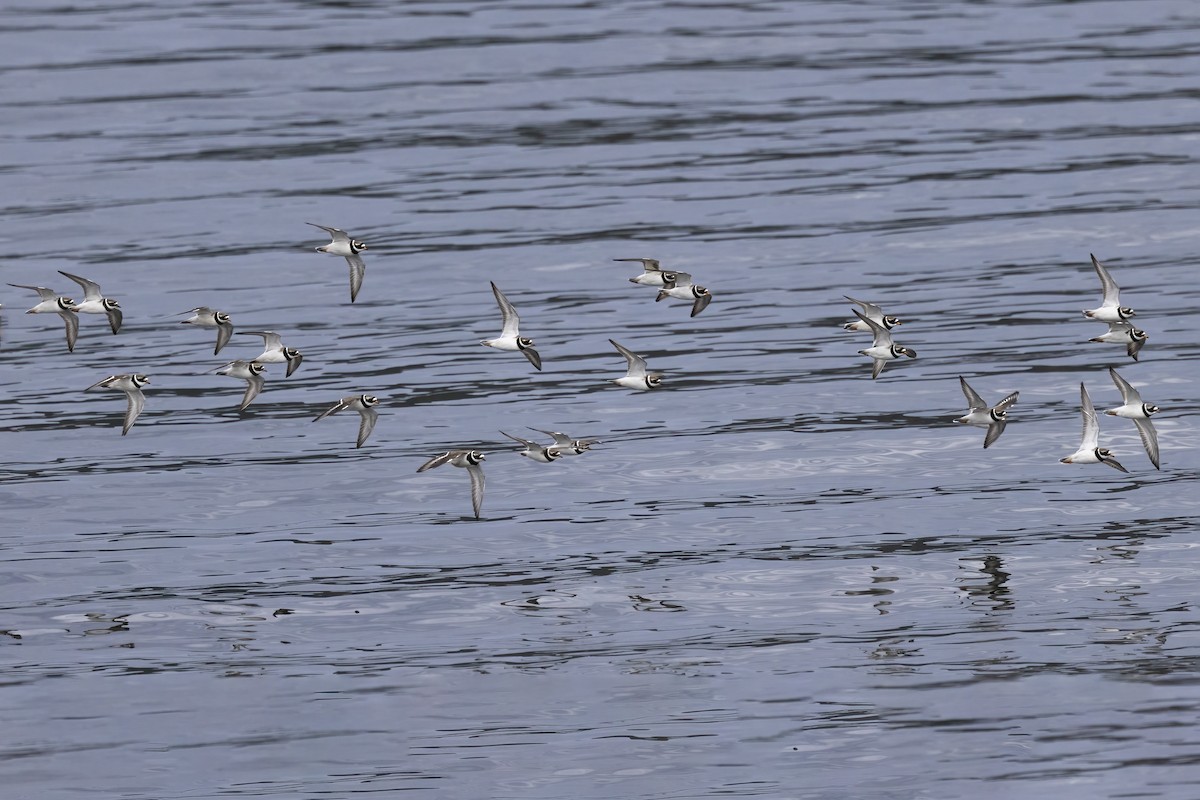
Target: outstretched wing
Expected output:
[338,234]
[477,481]
[115,316]
[438,460]
[870,309]
[882,337]
[1129,395]
[1091,428]
[993,432]
[224,332]
[648,264]
[357,270]
[512,322]
[72,321]
[560,439]
[974,401]
[1112,292]
[137,401]
[254,385]
[271,339]
[369,415]
[340,405]
[526,442]
[1149,439]
[1007,402]
[102,383]
[534,357]
[43,292]
[91,289]
[637,364]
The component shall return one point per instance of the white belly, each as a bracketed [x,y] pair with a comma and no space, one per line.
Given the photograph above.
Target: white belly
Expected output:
[981,418]
[504,343]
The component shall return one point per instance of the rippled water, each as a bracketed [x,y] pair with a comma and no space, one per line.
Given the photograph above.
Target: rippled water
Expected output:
[775,577]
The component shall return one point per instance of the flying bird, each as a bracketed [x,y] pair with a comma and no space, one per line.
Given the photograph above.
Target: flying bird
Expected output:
[364,404]
[1132,407]
[1090,451]
[510,337]
[349,248]
[96,303]
[131,385]
[980,415]
[471,461]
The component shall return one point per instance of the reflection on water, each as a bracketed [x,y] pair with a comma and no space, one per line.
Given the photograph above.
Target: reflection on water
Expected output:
[774,576]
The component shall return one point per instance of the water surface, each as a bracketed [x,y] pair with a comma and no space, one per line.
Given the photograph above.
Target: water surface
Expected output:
[775,577]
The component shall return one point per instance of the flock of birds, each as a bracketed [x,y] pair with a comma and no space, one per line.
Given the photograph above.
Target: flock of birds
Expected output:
[979,413]
[670,284]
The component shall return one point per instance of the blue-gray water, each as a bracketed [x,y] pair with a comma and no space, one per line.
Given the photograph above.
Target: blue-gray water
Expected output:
[775,578]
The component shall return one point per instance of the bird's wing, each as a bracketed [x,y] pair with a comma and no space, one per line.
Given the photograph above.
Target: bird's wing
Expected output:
[43,292]
[357,270]
[1091,428]
[648,264]
[271,339]
[137,401]
[1134,346]
[1112,292]
[293,363]
[993,432]
[477,481]
[115,317]
[974,401]
[369,415]
[224,332]
[637,364]
[72,321]
[1149,439]
[254,385]
[1129,395]
[1007,402]
[526,442]
[882,337]
[91,289]
[559,438]
[338,234]
[870,309]
[438,460]
[674,279]
[340,405]
[512,322]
